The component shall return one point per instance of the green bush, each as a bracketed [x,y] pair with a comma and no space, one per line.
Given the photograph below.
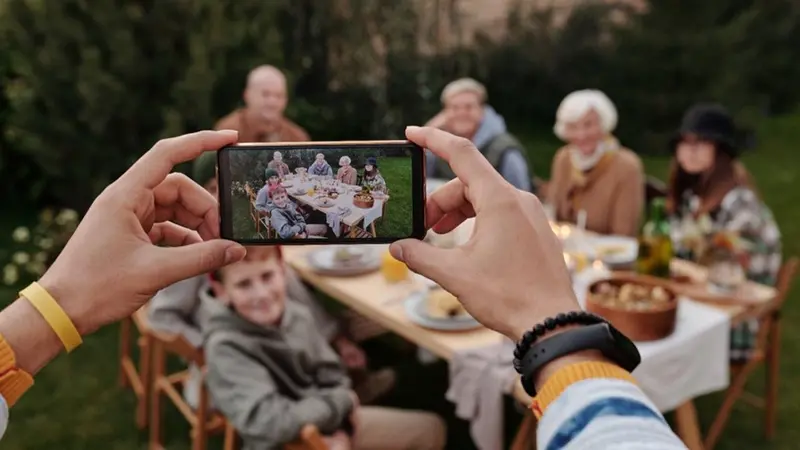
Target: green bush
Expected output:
[87,89]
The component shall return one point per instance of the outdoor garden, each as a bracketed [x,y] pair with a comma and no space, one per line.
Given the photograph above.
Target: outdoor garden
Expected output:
[86,90]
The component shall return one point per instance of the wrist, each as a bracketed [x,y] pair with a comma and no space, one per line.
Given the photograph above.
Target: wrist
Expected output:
[30,337]
[69,300]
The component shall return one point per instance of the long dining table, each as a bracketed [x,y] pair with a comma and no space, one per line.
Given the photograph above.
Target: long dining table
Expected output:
[372,296]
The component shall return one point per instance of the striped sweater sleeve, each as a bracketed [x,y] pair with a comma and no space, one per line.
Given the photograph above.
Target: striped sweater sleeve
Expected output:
[3,416]
[604,414]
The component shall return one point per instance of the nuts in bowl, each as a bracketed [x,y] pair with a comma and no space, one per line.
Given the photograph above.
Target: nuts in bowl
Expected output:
[641,307]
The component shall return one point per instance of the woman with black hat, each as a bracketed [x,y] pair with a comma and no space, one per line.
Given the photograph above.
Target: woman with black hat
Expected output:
[372,176]
[710,190]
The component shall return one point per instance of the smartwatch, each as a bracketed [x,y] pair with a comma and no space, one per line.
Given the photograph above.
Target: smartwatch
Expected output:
[601,336]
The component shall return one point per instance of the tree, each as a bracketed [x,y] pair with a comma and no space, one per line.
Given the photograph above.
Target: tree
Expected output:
[92,87]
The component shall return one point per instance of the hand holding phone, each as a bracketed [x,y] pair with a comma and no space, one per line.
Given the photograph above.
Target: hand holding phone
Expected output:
[322,192]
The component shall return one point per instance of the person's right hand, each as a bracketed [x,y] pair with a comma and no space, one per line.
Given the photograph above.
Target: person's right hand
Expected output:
[510,275]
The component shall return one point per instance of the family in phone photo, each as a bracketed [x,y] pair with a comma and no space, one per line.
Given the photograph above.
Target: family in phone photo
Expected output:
[296,193]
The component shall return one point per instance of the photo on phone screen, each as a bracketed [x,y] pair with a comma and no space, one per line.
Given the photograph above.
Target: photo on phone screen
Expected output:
[318,193]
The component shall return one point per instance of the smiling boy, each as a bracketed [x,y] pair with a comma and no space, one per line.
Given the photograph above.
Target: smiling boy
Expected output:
[287,221]
[271,372]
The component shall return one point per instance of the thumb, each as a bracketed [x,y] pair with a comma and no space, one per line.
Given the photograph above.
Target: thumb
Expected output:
[425,259]
[179,263]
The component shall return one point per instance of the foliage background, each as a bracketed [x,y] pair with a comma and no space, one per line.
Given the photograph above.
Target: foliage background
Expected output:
[88,86]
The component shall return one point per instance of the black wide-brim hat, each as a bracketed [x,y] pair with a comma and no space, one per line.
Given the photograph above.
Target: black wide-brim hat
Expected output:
[711,122]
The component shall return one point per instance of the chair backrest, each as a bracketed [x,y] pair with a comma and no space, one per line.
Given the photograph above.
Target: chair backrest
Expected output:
[178,345]
[784,282]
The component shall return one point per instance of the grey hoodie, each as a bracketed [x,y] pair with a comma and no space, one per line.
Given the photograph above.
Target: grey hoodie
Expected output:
[513,167]
[271,381]
[286,221]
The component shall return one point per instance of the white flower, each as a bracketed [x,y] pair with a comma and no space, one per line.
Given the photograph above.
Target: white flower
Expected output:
[21,258]
[45,243]
[66,216]
[10,274]
[21,234]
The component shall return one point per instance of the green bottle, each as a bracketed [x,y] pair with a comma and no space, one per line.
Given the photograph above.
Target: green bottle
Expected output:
[655,244]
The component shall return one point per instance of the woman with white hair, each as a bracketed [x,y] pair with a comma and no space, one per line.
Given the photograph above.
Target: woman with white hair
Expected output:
[593,172]
[466,114]
[278,165]
[346,174]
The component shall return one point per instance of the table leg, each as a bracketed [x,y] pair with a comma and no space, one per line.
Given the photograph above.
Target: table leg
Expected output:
[688,426]
[526,435]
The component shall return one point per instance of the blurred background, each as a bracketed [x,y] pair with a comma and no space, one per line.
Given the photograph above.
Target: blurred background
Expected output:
[88,86]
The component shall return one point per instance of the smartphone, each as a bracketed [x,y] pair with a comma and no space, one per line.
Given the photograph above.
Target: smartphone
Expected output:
[359,192]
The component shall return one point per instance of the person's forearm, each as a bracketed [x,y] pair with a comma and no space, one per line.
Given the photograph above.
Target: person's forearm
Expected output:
[30,337]
[603,414]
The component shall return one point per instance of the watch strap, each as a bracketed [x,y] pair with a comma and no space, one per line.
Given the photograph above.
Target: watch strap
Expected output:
[571,374]
[13,380]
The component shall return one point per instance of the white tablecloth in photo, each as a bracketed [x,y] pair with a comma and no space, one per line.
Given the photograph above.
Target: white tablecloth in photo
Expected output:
[691,362]
[343,203]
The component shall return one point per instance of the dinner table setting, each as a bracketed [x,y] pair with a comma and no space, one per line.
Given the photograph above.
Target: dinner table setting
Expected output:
[683,340]
[342,204]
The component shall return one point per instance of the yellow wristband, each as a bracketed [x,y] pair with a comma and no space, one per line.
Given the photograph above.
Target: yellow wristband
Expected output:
[53,315]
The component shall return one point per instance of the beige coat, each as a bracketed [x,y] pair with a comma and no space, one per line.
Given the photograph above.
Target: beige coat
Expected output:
[611,193]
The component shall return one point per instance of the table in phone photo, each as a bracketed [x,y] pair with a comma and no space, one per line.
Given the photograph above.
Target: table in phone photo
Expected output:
[691,362]
[355,216]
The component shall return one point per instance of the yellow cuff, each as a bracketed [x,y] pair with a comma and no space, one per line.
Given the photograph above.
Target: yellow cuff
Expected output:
[571,374]
[53,315]
[13,380]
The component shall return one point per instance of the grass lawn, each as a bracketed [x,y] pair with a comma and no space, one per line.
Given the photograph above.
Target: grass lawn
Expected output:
[76,403]
[397,217]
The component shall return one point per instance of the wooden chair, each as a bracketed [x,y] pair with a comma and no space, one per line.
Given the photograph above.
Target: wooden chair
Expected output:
[767,351]
[310,439]
[203,420]
[139,379]
[255,215]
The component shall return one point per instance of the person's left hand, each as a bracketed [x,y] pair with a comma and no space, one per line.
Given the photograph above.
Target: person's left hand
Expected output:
[117,258]
[352,355]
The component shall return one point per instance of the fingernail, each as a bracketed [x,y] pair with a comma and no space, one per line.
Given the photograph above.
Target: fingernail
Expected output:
[412,128]
[397,252]
[234,253]
[231,132]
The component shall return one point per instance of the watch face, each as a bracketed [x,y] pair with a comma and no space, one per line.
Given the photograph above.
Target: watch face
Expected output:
[626,348]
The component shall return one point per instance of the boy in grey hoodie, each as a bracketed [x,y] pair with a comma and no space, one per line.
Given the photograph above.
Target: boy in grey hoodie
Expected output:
[287,221]
[271,372]
[175,309]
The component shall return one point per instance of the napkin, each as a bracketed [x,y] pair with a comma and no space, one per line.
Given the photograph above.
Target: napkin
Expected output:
[478,380]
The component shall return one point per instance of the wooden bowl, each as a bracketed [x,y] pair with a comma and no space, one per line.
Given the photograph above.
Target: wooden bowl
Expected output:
[653,323]
[361,203]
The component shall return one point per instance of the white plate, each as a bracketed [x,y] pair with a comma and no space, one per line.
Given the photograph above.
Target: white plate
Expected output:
[325,202]
[287,184]
[415,309]
[627,249]
[324,261]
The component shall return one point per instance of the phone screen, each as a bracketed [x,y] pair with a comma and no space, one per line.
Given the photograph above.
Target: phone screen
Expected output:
[318,193]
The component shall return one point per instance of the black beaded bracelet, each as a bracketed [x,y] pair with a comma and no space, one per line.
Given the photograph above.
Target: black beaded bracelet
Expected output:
[550,324]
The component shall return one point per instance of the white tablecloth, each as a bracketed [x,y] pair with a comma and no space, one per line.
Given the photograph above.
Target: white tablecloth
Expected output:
[691,362]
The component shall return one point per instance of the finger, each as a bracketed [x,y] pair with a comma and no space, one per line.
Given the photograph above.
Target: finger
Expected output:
[181,200]
[157,163]
[172,235]
[179,263]
[450,222]
[469,165]
[425,259]
[451,197]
